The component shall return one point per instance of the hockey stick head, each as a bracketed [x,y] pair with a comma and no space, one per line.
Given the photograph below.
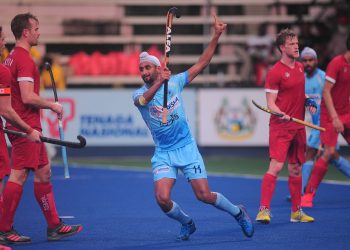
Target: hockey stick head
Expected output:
[175,12]
[82,141]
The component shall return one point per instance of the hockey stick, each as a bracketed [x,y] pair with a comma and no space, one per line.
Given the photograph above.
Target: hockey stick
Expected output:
[60,126]
[80,144]
[291,118]
[167,49]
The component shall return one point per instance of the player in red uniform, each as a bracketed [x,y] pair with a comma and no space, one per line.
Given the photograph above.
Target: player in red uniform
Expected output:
[26,155]
[285,93]
[335,117]
[7,112]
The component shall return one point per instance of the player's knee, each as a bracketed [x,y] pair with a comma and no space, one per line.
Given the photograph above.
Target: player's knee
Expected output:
[206,197]
[18,176]
[43,176]
[163,199]
[328,153]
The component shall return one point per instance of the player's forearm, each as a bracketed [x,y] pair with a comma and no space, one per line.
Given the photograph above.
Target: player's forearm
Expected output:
[36,101]
[12,117]
[148,95]
[271,102]
[327,97]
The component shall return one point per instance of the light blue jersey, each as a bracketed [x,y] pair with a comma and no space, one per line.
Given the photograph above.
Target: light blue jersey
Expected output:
[176,148]
[176,133]
[313,88]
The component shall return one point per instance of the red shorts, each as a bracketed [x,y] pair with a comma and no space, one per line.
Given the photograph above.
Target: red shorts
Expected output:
[27,154]
[287,144]
[330,136]
[4,157]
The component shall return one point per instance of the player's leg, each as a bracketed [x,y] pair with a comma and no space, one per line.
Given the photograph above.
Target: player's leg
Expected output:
[313,148]
[329,140]
[4,165]
[14,189]
[44,195]
[342,164]
[201,189]
[194,170]
[11,198]
[164,178]
[279,142]
[319,171]
[296,156]
[339,162]
[268,187]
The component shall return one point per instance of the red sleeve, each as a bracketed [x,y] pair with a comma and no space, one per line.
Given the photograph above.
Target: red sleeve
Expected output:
[273,80]
[332,70]
[25,69]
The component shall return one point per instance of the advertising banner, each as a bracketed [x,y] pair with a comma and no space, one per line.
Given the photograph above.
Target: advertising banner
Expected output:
[103,117]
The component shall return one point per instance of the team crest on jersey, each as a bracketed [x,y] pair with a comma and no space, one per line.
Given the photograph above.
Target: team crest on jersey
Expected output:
[300,70]
[345,69]
[287,74]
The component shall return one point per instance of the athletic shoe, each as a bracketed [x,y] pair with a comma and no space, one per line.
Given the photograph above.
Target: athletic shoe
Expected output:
[306,200]
[13,237]
[264,216]
[245,222]
[2,247]
[63,230]
[186,230]
[300,216]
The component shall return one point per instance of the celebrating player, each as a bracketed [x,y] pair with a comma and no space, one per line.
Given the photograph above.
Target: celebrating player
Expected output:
[175,147]
[285,93]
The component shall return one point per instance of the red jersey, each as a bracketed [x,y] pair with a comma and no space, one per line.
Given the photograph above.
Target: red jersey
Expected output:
[338,73]
[289,85]
[5,81]
[23,68]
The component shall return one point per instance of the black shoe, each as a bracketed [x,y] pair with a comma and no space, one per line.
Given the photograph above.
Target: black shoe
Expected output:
[63,230]
[13,237]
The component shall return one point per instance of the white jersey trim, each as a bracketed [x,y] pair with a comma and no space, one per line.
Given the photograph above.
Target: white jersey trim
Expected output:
[25,79]
[330,79]
[273,91]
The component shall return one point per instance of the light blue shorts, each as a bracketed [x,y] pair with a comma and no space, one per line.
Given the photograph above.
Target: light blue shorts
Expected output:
[165,164]
[314,140]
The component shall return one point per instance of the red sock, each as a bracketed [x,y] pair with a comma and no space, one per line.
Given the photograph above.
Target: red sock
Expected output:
[317,174]
[267,189]
[294,184]
[44,196]
[11,197]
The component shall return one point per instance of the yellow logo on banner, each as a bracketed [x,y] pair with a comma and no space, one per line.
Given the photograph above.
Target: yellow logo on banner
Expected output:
[235,123]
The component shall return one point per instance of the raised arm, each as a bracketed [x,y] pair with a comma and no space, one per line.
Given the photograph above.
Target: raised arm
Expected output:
[208,53]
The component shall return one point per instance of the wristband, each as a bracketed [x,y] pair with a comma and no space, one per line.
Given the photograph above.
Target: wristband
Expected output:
[142,101]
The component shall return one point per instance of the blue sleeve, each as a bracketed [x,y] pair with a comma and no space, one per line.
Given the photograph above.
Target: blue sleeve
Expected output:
[180,80]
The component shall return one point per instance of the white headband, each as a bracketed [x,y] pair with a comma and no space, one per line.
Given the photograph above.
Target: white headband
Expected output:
[145,57]
[308,51]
